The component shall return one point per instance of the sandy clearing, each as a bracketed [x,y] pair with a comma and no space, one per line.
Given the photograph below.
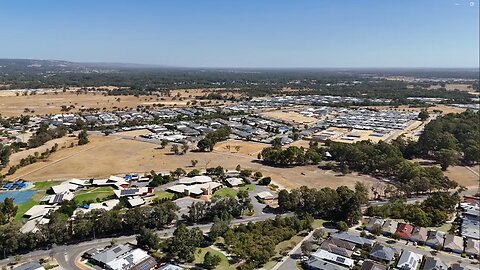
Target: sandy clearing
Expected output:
[290,116]
[118,156]
[465,176]
[246,148]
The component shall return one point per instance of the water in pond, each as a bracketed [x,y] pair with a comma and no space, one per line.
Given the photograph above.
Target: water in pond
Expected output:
[19,197]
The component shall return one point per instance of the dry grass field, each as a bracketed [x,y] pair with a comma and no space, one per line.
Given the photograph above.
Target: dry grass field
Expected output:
[465,176]
[245,148]
[290,116]
[49,102]
[105,156]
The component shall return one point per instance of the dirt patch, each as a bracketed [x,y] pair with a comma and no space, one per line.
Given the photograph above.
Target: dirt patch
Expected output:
[244,148]
[290,117]
[465,176]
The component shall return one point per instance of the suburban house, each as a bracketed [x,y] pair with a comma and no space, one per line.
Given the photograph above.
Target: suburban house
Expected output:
[340,243]
[334,258]
[374,223]
[419,235]
[336,250]
[265,195]
[345,249]
[357,240]
[382,253]
[453,243]
[371,265]
[435,239]
[472,247]
[319,264]
[409,260]
[404,230]
[121,257]
[432,263]
[389,227]
[234,181]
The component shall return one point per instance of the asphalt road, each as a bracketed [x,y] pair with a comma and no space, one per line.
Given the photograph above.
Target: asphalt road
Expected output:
[67,255]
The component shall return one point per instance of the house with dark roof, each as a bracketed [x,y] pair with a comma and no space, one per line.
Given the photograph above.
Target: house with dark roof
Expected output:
[382,253]
[340,243]
[435,239]
[432,263]
[371,265]
[419,235]
[330,247]
[404,230]
[357,240]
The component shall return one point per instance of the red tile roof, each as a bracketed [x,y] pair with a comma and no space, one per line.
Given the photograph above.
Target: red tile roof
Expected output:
[404,230]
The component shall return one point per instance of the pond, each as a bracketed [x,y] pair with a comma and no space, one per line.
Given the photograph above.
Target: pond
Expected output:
[19,197]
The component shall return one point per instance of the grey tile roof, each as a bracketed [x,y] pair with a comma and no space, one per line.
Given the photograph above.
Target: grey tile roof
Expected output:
[382,252]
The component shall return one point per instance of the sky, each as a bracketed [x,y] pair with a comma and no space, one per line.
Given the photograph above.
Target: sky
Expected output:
[245,33]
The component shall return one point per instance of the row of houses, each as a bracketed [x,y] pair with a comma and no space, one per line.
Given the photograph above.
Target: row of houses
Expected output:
[342,251]
[420,235]
[382,121]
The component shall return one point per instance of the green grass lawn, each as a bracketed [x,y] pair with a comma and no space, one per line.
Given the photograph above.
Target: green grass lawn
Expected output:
[444,228]
[163,194]
[226,191]
[231,192]
[45,185]
[92,194]
[24,207]
[248,187]
[318,223]
[224,265]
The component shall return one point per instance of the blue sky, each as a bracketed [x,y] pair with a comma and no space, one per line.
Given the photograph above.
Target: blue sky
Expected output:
[245,33]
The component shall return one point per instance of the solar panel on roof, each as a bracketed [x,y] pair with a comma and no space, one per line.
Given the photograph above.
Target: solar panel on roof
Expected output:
[340,260]
[117,249]
[129,191]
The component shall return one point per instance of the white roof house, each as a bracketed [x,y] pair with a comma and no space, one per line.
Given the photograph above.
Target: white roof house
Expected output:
[328,256]
[129,259]
[137,201]
[38,211]
[106,205]
[197,189]
[63,187]
[31,224]
[265,195]
[234,181]
[199,179]
[409,260]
